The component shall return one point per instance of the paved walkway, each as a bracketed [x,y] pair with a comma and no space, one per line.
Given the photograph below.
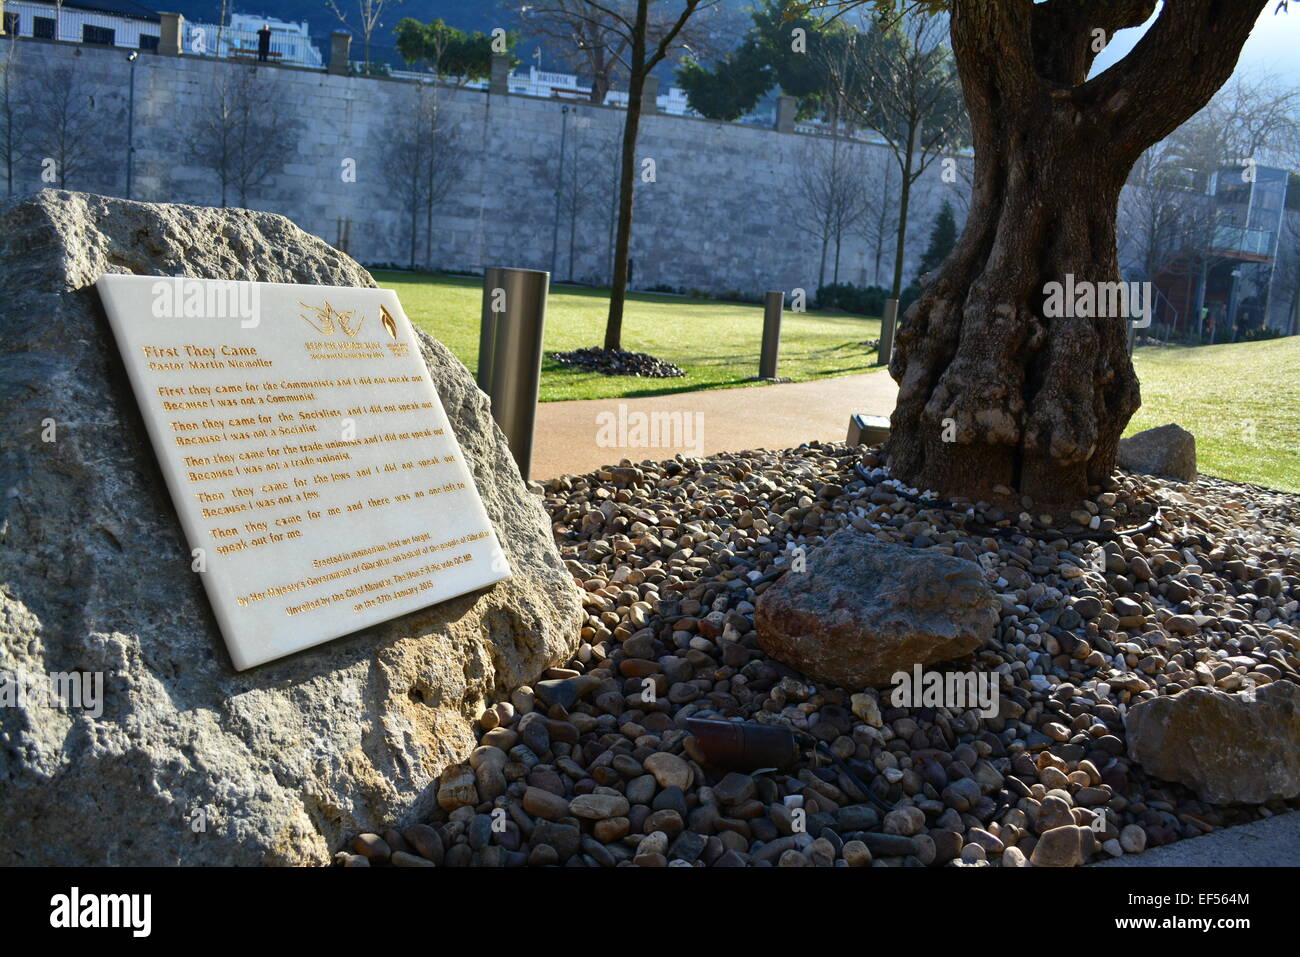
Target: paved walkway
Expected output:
[1272,842]
[576,437]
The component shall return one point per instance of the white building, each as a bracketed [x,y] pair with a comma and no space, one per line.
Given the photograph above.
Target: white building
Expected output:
[565,86]
[120,23]
[124,23]
[290,42]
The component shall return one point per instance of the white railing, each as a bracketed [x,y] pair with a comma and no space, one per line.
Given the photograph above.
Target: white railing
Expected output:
[209,39]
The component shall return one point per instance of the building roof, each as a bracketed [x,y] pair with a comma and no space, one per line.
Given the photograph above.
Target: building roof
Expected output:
[121,8]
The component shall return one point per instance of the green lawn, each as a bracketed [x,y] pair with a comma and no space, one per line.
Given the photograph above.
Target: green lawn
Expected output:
[717,343]
[1241,401]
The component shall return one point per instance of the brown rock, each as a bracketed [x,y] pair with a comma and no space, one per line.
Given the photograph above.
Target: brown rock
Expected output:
[1059,847]
[1228,748]
[1169,450]
[296,755]
[864,610]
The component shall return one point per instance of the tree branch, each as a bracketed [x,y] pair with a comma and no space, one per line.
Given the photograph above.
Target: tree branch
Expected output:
[1178,65]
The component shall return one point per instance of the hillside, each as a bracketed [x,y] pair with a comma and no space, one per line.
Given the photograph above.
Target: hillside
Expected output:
[468,15]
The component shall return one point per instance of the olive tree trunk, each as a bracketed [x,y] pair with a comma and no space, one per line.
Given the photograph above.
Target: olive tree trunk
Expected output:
[1033,403]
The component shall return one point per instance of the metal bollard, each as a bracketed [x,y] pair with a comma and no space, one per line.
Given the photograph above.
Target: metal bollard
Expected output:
[772,308]
[887,333]
[493,279]
[510,353]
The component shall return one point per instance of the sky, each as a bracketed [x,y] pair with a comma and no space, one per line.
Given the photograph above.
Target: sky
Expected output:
[1273,47]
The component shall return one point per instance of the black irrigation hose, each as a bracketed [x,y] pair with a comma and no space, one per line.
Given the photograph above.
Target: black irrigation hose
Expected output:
[822,747]
[999,809]
[1010,532]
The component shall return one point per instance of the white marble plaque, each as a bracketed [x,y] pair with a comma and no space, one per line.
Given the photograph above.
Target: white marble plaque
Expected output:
[313,467]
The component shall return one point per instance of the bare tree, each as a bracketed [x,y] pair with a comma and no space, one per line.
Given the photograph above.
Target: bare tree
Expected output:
[62,127]
[1149,209]
[368,12]
[1170,226]
[424,163]
[652,29]
[637,35]
[588,183]
[1254,116]
[1161,221]
[832,192]
[901,82]
[244,135]
[587,42]
[879,222]
[10,112]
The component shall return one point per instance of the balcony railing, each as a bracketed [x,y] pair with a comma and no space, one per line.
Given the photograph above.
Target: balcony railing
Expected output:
[1255,242]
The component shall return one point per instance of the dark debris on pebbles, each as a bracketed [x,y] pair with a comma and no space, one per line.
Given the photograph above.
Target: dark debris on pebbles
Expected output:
[618,362]
[582,770]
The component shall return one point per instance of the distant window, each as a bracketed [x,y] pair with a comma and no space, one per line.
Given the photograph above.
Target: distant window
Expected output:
[1232,192]
[100,35]
[11,24]
[1293,193]
[43,28]
[148,43]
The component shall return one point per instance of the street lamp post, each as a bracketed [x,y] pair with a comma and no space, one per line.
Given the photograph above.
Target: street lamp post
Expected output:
[559,188]
[130,123]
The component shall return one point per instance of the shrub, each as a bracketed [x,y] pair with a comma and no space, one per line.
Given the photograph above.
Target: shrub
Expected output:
[1260,333]
[863,301]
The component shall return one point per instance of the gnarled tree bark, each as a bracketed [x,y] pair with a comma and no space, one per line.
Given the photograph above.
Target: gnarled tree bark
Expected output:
[1034,403]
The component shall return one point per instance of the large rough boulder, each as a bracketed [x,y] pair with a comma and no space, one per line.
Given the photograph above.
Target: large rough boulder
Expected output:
[191,762]
[1169,450]
[864,610]
[1228,748]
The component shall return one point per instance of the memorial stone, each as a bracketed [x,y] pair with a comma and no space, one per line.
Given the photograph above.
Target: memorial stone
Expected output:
[309,458]
[170,755]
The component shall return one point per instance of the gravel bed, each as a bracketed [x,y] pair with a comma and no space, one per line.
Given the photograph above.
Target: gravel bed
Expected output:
[590,768]
[619,362]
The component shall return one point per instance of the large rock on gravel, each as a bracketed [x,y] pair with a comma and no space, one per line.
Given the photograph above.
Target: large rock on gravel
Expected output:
[1169,451]
[191,762]
[1228,748]
[864,610]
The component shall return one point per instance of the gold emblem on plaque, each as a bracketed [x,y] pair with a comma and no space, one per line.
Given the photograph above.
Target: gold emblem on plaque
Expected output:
[387,319]
[329,320]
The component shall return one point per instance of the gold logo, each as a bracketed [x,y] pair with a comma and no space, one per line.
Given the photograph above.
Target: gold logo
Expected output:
[327,317]
[387,319]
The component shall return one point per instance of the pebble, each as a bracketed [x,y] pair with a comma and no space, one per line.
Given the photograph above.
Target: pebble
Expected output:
[1133,839]
[1058,847]
[618,362]
[905,821]
[545,804]
[856,854]
[597,807]
[372,847]
[671,559]
[669,770]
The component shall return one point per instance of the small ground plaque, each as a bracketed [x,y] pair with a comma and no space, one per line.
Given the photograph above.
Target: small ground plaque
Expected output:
[315,472]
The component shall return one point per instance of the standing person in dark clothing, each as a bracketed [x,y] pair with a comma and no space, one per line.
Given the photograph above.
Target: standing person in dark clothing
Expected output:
[264,43]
